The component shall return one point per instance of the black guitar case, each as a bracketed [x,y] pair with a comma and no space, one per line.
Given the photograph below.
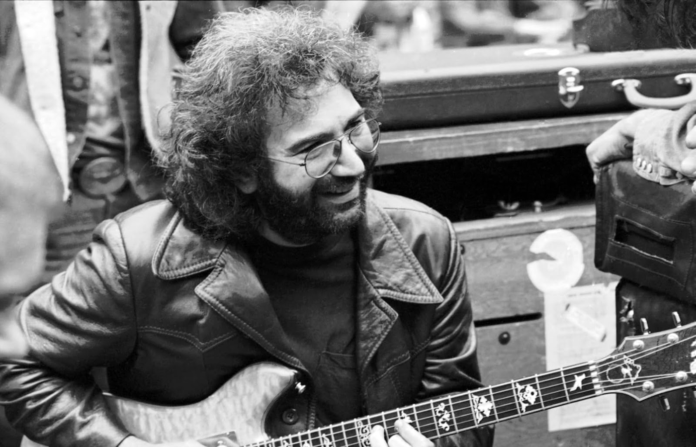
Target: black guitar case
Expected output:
[513,82]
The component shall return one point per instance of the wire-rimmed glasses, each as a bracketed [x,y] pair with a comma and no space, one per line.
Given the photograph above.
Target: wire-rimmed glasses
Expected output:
[320,161]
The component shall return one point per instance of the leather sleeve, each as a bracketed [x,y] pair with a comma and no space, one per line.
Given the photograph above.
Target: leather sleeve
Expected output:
[84,319]
[191,19]
[451,363]
[660,140]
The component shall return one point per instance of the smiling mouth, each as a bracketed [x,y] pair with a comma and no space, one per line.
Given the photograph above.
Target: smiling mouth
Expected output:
[343,195]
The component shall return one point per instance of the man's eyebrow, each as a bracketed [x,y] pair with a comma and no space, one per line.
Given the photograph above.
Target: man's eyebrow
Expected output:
[324,136]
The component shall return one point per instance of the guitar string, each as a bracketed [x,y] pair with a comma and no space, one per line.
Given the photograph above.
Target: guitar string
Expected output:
[392,415]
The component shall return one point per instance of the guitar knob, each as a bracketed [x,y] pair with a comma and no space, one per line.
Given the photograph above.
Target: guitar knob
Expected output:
[644,326]
[664,403]
[676,319]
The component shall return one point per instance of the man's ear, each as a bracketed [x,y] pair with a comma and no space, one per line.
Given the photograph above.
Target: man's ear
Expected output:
[247,183]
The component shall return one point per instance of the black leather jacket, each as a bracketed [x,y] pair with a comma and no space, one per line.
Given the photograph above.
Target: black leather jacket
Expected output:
[172,316]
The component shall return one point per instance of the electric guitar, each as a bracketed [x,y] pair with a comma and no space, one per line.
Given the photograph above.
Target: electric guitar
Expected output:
[235,415]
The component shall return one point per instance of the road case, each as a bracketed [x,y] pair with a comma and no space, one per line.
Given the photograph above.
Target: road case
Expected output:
[513,82]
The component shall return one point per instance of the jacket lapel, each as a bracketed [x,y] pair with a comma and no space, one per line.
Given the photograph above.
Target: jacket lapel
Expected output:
[232,288]
[387,268]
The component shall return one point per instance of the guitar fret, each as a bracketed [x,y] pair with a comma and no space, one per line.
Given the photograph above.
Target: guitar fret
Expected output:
[584,379]
[461,411]
[442,416]
[304,439]
[333,437]
[554,389]
[527,395]
[565,384]
[541,395]
[514,397]
[481,407]
[454,418]
[415,416]
[387,426]
[427,419]
[345,435]
[323,437]
[409,415]
[432,409]
[495,407]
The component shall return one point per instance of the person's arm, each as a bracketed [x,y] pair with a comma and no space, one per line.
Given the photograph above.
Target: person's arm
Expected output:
[659,141]
[190,21]
[84,319]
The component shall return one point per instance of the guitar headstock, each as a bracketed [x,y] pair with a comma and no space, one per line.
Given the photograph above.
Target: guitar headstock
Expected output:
[648,365]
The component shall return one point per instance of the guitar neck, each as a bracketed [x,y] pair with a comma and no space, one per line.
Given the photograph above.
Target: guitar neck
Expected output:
[456,413]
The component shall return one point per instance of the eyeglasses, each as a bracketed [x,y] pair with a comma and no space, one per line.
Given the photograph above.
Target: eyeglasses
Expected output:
[321,160]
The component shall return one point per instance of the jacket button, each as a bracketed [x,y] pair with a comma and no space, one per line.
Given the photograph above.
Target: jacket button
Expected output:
[290,416]
[71,138]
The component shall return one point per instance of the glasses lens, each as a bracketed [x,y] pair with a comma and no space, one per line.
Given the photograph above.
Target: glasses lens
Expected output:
[322,159]
[366,136]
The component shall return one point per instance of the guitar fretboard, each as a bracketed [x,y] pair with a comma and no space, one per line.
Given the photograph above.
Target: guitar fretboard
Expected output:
[455,413]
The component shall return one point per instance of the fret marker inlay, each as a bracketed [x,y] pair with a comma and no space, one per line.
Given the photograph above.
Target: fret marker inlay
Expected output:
[482,407]
[443,416]
[578,382]
[526,396]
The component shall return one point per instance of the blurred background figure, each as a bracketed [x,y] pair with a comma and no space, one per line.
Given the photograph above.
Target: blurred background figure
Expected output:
[421,25]
[29,196]
[93,75]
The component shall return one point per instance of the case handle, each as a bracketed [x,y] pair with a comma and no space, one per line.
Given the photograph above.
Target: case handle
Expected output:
[630,88]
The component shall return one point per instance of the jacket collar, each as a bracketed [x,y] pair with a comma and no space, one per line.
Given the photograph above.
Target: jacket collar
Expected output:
[387,269]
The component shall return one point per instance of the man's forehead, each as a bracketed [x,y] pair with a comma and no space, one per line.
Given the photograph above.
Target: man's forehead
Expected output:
[295,109]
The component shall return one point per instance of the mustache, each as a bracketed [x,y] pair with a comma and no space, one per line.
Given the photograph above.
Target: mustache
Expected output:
[332,185]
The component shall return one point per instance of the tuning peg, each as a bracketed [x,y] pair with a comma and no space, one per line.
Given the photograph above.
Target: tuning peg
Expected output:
[664,403]
[644,326]
[676,319]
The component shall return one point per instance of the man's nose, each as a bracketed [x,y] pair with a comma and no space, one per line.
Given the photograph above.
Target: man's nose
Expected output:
[350,163]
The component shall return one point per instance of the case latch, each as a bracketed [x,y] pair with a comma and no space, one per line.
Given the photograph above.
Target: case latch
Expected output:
[569,86]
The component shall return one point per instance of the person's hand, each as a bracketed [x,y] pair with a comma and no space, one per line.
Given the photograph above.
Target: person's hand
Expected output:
[614,144]
[406,436]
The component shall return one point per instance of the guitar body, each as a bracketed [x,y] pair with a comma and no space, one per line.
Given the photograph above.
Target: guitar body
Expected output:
[242,404]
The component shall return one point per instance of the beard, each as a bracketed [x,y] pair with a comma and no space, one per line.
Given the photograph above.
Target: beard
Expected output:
[302,218]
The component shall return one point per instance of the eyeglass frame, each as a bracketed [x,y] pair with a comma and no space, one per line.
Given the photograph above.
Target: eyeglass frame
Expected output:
[338,140]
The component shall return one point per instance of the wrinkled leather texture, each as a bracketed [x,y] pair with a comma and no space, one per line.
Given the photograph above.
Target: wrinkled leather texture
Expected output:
[172,316]
[645,231]
[659,146]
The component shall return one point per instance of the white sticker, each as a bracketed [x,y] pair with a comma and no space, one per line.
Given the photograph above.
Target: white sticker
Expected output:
[566,268]
[585,321]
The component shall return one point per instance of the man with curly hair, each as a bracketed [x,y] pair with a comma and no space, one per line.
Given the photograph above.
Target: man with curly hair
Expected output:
[271,247]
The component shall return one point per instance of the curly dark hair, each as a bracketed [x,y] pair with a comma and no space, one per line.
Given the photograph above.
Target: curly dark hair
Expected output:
[675,20]
[247,63]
